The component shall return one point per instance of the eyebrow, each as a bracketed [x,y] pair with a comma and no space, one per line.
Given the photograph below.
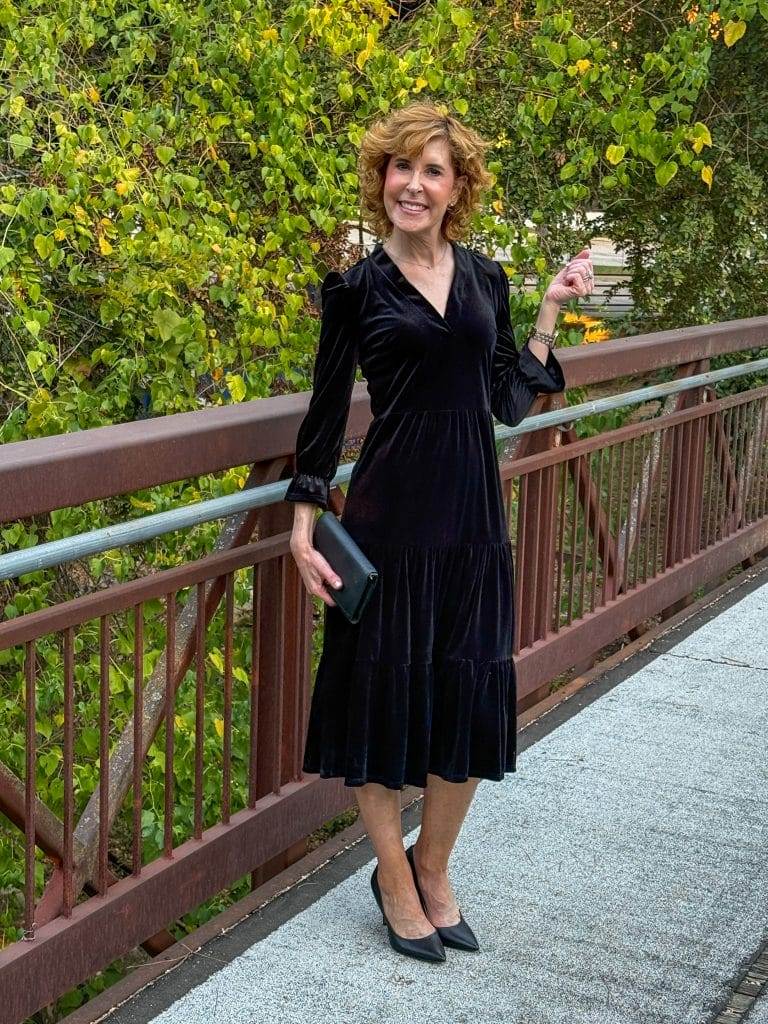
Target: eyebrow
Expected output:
[433,164]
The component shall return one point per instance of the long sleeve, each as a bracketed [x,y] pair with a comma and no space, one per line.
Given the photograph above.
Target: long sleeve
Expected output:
[321,433]
[517,377]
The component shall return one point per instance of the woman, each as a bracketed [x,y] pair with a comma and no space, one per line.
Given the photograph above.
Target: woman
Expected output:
[421,691]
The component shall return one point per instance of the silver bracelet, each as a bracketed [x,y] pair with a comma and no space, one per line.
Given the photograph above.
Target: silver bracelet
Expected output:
[543,336]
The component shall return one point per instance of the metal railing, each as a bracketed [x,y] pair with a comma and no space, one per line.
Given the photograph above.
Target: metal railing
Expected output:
[215,655]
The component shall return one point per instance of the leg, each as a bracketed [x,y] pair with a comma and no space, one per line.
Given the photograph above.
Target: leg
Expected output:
[381,814]
[445,807]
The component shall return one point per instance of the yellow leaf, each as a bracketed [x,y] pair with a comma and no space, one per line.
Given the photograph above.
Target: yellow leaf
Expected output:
[364,54]
[93,94]
[706,175]
[138,503]
[419,84]
[615,154]
[59,234]
[582,66]
[179,722]
[122,187]
[702,137]
[16,105]
[270,34]
[733,32]
[104,247]
[596,335]
[498,206]
[218,724]
[236,386]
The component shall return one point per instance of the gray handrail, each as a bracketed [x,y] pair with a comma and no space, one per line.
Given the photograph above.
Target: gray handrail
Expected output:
[57,552]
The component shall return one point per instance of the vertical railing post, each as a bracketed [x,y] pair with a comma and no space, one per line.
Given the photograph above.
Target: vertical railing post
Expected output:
[537,538]
[686,476]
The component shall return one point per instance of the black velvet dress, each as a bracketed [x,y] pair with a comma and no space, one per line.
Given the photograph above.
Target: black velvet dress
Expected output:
[425,682]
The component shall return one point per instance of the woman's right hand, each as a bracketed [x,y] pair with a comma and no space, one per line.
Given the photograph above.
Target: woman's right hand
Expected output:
[315,571]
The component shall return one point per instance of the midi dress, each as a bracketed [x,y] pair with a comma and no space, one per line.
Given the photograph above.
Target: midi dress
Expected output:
[424,683]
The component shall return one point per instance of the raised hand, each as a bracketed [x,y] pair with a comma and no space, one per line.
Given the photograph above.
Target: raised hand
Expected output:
[575,279]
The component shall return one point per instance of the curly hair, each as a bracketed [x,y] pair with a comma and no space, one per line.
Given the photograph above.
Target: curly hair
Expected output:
[405,132]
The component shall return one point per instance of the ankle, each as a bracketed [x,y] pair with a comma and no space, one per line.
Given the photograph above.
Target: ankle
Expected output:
[428,862]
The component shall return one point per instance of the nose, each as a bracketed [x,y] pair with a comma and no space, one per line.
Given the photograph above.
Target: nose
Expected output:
[413,184]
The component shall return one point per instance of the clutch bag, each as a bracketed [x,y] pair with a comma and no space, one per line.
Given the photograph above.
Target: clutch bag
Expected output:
[358,575]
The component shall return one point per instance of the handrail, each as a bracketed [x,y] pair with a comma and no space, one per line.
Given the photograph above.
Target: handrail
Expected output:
[53,553]
[68,470]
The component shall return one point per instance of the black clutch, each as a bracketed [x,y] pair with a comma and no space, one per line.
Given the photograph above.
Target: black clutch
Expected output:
[358,575]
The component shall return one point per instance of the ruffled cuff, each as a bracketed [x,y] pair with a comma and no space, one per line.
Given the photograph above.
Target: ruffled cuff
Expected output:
[305,487]
[547,378]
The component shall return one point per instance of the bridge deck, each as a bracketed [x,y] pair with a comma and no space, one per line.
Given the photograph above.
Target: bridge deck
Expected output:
[620,877]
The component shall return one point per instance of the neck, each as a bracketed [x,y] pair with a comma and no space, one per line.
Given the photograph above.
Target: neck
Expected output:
[427,250]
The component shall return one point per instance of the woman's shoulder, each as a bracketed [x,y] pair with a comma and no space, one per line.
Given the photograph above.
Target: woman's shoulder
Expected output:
[347,281]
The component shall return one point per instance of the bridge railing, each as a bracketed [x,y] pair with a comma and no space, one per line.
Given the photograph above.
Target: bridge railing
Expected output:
[216,654]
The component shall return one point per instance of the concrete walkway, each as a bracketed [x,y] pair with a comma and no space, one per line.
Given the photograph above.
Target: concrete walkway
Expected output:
[619,877]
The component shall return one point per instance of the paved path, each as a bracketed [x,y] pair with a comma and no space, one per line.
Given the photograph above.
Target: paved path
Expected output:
[619,877]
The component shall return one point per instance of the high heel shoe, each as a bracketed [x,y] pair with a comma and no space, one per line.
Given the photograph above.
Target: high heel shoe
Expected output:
[457,936]
[429,947]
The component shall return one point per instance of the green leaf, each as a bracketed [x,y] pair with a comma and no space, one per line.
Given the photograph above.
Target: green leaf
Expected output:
[165,154]
[461,106]
[557,53]
[665,172]
[6,256]
[461,17]
[167,322]
[20,144]
[34,358]
[547,109]
[187,182]
[44,245]
[109,310]
[33,327]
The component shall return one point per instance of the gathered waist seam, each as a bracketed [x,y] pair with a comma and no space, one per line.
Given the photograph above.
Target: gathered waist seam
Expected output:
[417,412]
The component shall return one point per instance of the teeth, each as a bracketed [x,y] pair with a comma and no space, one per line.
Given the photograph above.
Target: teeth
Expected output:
[412,206]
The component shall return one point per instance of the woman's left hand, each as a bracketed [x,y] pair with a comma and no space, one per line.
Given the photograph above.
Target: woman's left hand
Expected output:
[575,279]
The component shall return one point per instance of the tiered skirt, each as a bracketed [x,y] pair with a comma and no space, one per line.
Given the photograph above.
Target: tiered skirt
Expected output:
[425,682]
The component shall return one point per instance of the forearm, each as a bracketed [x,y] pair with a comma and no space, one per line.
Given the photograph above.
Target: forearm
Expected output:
[545,321]
[303,524]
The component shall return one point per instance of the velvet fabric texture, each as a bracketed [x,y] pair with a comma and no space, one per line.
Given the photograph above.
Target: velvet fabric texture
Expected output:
[425,681]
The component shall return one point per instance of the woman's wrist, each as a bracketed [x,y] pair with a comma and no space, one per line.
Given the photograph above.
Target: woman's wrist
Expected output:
[547,319]
[546,322]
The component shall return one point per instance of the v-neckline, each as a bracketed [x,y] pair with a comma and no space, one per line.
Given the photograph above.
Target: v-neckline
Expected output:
[413,292]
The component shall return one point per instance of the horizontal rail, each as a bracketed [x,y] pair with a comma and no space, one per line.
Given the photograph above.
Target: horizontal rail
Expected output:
[53,553]
[68,470]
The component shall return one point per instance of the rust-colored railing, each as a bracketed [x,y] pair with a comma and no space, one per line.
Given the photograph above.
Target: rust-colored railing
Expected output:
[609,531]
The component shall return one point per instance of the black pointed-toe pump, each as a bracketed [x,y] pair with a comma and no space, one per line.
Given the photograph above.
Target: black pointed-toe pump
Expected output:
[457,936]
[429,947]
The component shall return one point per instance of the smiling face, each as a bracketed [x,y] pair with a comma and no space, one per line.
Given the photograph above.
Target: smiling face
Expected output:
[417,192]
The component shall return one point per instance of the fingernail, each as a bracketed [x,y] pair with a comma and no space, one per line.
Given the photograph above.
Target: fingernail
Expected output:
[337,584]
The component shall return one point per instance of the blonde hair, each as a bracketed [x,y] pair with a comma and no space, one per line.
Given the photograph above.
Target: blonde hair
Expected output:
[406,132]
